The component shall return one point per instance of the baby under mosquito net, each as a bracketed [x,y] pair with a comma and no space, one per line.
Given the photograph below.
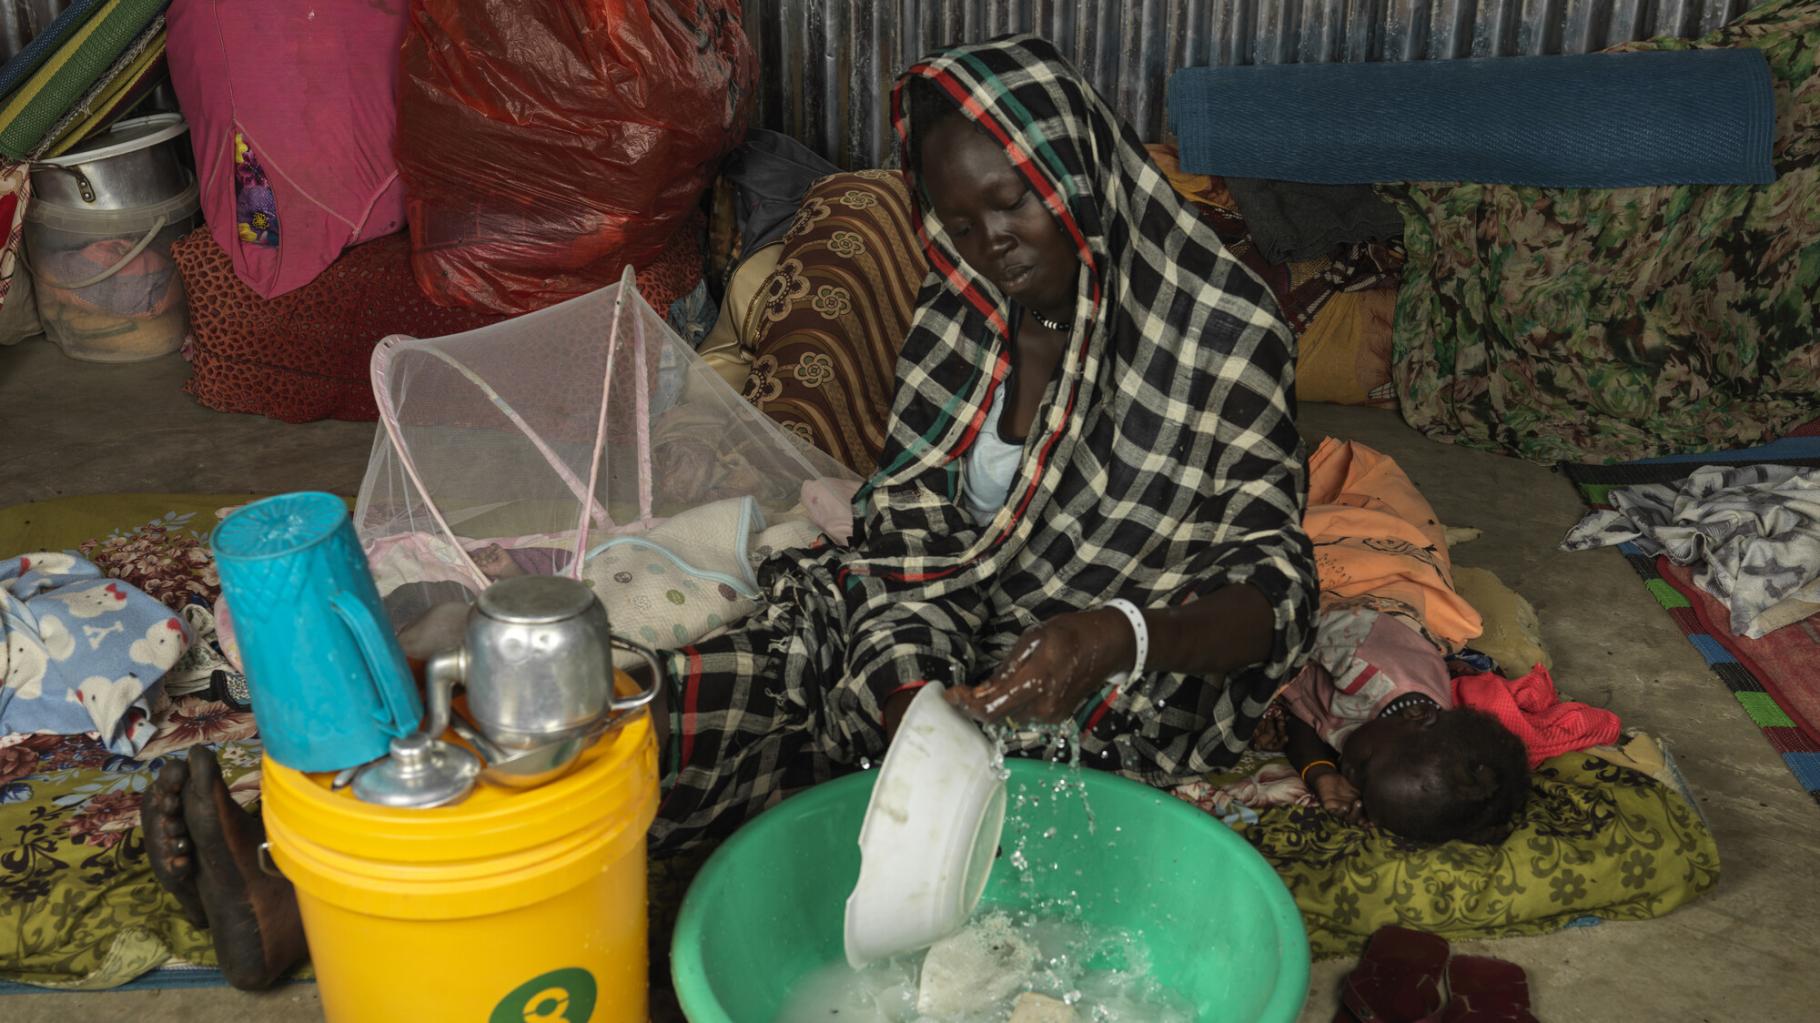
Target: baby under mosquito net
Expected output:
[585,440]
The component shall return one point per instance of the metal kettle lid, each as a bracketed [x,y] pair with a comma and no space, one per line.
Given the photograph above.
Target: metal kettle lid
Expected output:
[535,599]
[420,773]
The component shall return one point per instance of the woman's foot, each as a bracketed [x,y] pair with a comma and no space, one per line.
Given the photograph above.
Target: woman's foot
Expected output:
[167,839]
[252,915]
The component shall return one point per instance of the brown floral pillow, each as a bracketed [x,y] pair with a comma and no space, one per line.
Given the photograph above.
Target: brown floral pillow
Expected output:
[826,329]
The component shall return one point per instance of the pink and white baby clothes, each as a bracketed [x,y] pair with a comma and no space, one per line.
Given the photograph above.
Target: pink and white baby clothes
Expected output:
[1362,662]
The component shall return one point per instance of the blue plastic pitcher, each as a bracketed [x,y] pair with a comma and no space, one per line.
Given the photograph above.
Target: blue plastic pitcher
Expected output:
[330,685]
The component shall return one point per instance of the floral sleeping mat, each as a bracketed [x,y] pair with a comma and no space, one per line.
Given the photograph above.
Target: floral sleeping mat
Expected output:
[79,908]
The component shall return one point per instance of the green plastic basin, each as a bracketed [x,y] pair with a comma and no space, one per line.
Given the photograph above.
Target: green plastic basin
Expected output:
[1219,926]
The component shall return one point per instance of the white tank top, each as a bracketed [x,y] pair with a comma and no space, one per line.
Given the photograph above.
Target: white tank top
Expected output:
[991,466]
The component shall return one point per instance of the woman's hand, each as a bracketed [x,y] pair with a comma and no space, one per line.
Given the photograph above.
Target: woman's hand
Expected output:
[1338,796]
[1052,669]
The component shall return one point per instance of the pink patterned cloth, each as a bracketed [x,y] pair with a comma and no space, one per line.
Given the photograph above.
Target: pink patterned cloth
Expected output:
[15,195]
[310,88]
[1274,784]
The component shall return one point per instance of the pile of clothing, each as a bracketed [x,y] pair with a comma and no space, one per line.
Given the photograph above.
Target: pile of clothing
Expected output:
[113,662]
[84,652]
[1750,532]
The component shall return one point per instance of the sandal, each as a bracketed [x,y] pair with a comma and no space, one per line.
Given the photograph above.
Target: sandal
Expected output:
[1398,979]
[1486,990]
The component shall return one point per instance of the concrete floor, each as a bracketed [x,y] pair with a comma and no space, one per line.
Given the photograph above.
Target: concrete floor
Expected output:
[1743,952]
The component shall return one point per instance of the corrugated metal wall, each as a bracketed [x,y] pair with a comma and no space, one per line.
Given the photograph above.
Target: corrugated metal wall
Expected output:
[828,65]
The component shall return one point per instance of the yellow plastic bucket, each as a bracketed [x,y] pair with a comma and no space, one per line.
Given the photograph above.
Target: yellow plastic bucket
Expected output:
[512,906]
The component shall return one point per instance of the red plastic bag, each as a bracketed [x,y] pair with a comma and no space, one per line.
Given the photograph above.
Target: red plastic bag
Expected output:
[545,144]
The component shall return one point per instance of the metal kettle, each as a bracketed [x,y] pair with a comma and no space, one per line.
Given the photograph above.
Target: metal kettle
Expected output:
[537,665]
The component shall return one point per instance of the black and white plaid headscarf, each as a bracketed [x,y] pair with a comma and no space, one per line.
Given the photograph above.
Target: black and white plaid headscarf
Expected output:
[1164,465]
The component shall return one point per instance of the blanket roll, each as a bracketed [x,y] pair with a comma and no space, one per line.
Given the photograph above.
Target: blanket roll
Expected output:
[1596,120]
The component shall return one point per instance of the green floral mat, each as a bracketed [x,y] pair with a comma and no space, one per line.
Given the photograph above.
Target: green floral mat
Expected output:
[1596,840]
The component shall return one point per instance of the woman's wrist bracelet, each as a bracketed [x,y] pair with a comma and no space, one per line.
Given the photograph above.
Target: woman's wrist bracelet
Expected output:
[1140,633]
[1316,763]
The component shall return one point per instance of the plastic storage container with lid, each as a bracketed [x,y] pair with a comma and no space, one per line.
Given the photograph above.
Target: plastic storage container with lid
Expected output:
[107,287]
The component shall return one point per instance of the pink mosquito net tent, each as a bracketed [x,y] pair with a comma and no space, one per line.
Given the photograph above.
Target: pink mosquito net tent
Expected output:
[568,438]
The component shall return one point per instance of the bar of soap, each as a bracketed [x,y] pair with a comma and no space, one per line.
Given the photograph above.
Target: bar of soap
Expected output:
[1034,1008]
[975,969]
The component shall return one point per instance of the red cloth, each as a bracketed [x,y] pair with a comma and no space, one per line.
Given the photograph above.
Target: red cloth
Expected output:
[1529,707]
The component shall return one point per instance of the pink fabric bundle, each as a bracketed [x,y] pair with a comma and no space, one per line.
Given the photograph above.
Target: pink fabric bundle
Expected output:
[1530,708]
[292,113]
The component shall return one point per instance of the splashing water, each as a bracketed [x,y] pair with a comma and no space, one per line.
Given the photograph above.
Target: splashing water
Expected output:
[1059,742]
[1103,974]
[998,734]
[1056,792]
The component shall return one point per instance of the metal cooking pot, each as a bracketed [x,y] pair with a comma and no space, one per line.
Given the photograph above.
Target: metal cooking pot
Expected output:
[138,162]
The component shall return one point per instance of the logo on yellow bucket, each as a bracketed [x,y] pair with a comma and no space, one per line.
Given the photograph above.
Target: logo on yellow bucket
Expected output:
[560,996]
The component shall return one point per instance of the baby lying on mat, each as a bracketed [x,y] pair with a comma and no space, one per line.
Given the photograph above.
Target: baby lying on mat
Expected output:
[1374,732]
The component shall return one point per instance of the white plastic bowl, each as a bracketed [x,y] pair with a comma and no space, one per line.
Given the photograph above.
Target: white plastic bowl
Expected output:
[930,835]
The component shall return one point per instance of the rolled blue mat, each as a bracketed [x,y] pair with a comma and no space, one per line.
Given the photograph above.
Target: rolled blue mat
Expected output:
[1597,120]
[22,64]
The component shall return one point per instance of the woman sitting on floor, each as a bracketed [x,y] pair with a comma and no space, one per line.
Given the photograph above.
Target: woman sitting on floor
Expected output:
[1092,471]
